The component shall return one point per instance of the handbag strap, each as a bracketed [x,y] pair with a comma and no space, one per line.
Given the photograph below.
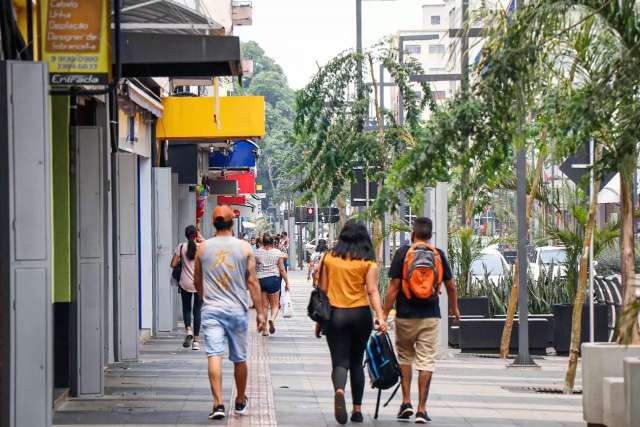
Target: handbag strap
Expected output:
[320,273]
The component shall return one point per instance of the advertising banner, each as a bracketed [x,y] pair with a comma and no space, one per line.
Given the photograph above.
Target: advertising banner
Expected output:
[75,41]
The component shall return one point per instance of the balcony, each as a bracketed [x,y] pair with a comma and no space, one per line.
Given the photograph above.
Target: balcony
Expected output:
[194,118]
[242,13]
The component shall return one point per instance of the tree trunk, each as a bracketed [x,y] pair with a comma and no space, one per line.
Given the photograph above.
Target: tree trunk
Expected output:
[583,275]
[342,210]
[627,249]
[378,234]
[513,295]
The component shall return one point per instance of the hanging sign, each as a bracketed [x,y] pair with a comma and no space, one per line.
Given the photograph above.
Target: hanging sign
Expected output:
[75,41]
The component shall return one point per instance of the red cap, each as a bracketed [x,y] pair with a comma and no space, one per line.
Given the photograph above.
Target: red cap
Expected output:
[224,212]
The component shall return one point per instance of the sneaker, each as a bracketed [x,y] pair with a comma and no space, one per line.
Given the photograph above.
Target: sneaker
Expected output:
[241,407]
[340,408]
[422,418]
[265,333]
[217,413]
[187,340]
[195,345]
[272,327]
[405,412]
[357,417]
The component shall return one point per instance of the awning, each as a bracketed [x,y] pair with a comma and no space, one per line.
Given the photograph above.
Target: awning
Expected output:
[166,16]
[144,99]
[179,55]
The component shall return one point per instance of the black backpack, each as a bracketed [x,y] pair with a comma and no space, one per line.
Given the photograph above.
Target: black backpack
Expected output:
[383,366]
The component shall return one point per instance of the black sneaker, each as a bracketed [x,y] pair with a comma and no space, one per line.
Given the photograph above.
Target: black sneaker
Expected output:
[241,407]
[187,341]
[405,413]
[422,418]
[217,413]
[340,409]
[357,417]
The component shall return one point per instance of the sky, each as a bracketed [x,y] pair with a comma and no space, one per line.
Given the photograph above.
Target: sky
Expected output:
[302,34]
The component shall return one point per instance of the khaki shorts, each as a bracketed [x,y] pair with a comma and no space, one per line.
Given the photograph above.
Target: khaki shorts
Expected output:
[417,340]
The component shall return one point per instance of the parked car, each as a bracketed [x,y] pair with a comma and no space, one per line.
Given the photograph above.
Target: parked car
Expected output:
[491,265]
[546,258]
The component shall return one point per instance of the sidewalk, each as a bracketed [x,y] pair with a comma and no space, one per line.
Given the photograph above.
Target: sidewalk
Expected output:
[290,386]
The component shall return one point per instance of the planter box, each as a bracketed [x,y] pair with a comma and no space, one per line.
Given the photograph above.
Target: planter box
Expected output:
[474,306]
[613,412]
[454,329]
[563,313]
[484,335]
[631,368]
[600,360]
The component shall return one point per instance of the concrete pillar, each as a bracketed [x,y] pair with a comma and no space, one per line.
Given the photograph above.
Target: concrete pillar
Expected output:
[436,207]
[293,244]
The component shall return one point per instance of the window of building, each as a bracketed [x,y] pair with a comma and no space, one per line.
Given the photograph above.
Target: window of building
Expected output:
[439,95]
[131,129]
[435,19]
[413,49]
[436,48]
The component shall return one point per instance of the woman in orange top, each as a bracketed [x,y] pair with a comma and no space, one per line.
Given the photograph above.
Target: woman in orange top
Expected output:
[349,277]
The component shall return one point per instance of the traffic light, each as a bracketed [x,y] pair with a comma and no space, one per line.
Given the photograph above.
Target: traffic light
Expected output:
[306,214]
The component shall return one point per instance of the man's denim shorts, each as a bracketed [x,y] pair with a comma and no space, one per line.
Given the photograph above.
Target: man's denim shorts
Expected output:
[220,325]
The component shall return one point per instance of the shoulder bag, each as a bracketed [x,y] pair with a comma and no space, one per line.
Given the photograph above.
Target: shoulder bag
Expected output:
[177,270]
[319,309]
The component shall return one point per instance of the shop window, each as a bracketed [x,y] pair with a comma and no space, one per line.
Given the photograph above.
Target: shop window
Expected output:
[413,49]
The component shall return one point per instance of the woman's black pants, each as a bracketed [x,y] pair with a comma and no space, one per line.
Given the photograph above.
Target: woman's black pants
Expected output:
[347,335]
[187,307]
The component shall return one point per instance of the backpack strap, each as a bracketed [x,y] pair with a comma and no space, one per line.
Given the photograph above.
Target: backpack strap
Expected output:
[393,394]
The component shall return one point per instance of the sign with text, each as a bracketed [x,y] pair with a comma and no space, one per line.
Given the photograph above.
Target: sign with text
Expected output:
[75,41]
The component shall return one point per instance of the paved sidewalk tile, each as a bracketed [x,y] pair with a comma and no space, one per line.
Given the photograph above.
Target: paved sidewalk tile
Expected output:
[290,385]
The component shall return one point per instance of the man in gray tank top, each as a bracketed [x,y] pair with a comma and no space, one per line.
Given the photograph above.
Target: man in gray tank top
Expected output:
[225,269]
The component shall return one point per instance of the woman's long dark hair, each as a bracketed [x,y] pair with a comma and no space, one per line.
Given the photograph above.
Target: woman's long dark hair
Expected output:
[354,242]
[190,233]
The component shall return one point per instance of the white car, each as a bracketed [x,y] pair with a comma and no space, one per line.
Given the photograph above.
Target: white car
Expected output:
[491,265]
[546,256]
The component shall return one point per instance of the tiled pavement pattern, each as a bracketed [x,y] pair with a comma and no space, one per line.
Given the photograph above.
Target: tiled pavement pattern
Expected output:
[291,387]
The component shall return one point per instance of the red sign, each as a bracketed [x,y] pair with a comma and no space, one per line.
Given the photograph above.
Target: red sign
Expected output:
[236,213]
[246,182]
[232,200]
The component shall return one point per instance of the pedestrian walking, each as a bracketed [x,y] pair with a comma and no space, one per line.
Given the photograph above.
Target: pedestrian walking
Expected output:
[271,272]
[417,272]
[185,253]
[225,269]
[284,247]
[314,262]
[349,277]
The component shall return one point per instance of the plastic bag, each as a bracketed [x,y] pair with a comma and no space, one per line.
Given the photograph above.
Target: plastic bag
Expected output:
[287,305]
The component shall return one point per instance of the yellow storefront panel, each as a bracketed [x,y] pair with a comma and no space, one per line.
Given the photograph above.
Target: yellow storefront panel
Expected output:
[193,118]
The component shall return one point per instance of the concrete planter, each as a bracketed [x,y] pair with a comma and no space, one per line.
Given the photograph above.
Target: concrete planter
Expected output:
[484,335]
[632,390]
[600,360]
[474,306]
[563,318]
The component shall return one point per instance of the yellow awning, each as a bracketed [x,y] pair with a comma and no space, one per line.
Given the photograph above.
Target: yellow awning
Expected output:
[193,118]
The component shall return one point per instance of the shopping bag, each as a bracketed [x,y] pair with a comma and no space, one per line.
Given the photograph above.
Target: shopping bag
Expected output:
[287,305]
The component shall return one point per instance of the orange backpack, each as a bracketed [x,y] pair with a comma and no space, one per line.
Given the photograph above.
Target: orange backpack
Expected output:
[422,272]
